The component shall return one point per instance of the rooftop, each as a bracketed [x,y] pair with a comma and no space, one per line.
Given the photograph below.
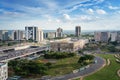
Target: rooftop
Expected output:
[2,63]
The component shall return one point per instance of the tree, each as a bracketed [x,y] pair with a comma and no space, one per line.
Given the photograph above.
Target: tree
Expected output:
[86,59]
[48,64]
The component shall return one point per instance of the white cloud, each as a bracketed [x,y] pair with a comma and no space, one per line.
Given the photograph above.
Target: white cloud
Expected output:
[113,8]
[66,17]
[99,1]
[85,18]
[90,11]
[50,4]
[58,20]
[100,11]
[49,20]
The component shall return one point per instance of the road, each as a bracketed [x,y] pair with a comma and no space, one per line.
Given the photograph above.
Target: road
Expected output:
[20,53]
[91,69]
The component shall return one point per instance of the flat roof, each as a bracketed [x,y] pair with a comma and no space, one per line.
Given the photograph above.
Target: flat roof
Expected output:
[66,41]
[2,63]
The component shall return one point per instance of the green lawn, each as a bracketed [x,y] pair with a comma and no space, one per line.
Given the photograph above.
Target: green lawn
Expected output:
[109,72]
[64,66]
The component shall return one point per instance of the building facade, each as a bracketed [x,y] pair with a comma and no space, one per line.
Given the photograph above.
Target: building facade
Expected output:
[77,30]
[39,35]
[4,35]
[118,36]
[3,71]
[18,35]
[105,36]
[33,33]
[59,32]
[113,36]
[50,35]
[102,36]
[67,46]
[97,36]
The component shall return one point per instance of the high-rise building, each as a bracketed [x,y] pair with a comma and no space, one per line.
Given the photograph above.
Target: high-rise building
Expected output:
[113,36]
[33,33]
[3,71]
[59,32]
[102,36]
[97,36]
[11,34]
[118,36]
[18,35]
[39,35]
[77,30]
[4,35]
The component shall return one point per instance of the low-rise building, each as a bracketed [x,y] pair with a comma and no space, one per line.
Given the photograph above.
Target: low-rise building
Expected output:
[67,45]
[3,71]
[50,35]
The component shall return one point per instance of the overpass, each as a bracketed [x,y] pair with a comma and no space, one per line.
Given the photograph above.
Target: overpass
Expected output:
[21,53]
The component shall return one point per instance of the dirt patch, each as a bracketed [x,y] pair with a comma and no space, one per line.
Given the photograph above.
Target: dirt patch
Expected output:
[108,62]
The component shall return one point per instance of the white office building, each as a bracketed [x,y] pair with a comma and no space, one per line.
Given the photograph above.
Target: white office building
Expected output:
[113,36]
[33,33]
[3,71]
[59,32]
[4,35]
[18,35]
[39,35]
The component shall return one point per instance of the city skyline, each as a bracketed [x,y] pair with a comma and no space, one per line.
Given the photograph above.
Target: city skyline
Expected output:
[51,14]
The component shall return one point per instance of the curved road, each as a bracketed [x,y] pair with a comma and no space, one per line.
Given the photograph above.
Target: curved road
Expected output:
[91,69]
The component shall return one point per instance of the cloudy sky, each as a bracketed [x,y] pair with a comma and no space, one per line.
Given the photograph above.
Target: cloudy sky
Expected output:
[51,14]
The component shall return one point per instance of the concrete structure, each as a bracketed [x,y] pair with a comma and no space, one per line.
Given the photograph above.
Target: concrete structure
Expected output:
[39,35]
[113,36]
[97,36]
[59,32]
[118,36]
[102,36]
[77,30]
[33,33]
[18,35]
[4,35]
[3,71]
[50,35]
[105,36]
[11,34]
[18,53]
[67,45]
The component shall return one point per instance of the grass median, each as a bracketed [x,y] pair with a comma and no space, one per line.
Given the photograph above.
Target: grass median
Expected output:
[109,72]
[64,66]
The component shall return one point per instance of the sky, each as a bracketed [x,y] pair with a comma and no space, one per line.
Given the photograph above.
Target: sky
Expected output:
[51,14]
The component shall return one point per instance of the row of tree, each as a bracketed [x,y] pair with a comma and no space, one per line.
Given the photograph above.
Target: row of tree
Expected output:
[58,55]
[28,68]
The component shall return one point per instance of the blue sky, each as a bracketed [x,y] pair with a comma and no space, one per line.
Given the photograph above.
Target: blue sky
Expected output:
[51,14]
